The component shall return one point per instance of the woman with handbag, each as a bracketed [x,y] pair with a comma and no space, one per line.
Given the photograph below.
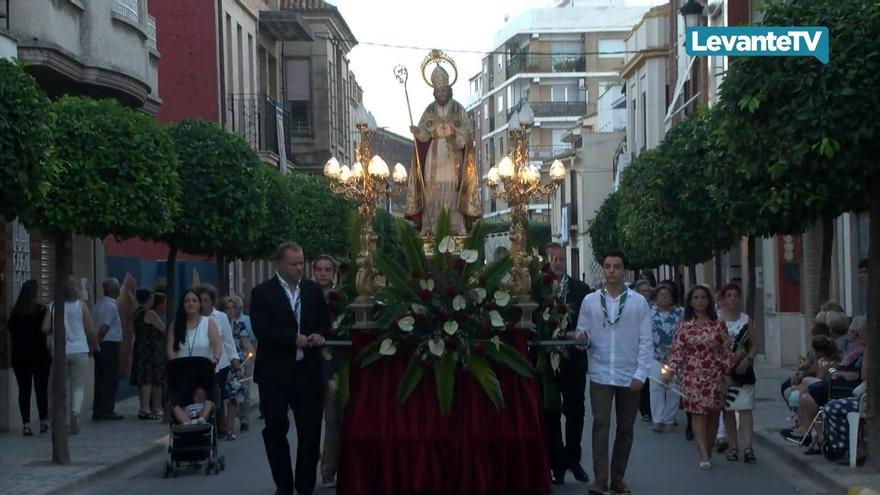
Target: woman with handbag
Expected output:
[740,399]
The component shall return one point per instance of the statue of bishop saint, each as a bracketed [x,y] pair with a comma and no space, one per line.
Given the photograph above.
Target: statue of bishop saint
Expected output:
[444,176]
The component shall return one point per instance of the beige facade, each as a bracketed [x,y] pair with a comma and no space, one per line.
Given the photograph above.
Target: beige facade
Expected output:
[560,60]
[321,93]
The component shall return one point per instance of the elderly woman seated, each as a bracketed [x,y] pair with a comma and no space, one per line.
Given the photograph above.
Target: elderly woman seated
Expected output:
[832,381]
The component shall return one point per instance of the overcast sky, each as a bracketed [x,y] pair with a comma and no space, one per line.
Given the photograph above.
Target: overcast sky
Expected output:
[459,27]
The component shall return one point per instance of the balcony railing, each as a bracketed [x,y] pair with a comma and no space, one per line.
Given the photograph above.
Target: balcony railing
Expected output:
[130,9]
[547,152]
[151,32]
[4,14]
[557,108]
[529,64]
[255,117]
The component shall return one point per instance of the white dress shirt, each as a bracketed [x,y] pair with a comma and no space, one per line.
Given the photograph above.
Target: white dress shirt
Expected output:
[294,298]
[621,352]
[228,348]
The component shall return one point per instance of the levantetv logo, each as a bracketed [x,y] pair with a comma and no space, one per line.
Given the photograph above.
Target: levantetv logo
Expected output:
[758,42]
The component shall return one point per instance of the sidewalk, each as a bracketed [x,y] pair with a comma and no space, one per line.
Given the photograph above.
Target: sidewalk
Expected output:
[100,448]
[771,415]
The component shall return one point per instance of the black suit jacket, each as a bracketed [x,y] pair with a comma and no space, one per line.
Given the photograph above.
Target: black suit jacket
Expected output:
[577,291]
[275,327]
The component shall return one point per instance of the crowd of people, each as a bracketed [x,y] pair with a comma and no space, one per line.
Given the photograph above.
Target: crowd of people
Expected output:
[637,347]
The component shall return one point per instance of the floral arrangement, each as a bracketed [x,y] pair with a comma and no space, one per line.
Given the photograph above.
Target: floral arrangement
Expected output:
[551,318]
[447,312]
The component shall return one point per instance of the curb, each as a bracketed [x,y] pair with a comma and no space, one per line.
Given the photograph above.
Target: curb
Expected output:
[791,458]
[106,470]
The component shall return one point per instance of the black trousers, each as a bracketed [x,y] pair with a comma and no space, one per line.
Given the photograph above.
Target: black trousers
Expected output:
[572,382]
[106,379]
[305,399]
[32,376]
[645,400]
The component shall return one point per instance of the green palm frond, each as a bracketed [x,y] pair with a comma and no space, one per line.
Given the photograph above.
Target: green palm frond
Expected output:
[444,378]
[413,248]
[411,378]
[509,356]
[486,377]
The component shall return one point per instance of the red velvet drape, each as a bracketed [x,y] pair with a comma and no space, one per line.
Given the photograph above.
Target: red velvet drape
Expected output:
[388,448]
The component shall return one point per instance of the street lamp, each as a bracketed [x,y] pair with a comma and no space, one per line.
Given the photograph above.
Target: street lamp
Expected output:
[367,181]
[692,10]
[517,181]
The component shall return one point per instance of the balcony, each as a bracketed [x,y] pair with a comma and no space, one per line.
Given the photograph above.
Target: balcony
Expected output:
[256,118]
[548,152]
[531,64]
[557,109]
[151,32]
[128,9]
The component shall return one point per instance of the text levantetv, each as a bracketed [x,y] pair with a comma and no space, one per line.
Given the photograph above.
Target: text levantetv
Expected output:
[770,42]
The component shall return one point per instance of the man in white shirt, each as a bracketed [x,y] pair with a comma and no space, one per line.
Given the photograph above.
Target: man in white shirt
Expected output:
[107,361]
[615,324]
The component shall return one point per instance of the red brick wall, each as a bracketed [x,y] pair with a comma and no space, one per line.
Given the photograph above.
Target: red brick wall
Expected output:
[189,64]
[738,12]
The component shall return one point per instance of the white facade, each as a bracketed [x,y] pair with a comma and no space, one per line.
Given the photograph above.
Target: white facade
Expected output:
[645,78]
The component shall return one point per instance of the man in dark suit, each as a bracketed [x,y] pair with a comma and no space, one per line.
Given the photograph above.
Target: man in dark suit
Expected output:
[572,382]
[289,318]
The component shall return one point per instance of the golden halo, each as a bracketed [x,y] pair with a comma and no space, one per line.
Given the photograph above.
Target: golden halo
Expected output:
[438,56]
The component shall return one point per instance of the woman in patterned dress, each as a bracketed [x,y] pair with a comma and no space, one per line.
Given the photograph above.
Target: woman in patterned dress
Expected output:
[665,317]
[701,358]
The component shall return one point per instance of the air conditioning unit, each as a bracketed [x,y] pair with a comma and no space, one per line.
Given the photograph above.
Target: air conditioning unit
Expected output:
[582,83]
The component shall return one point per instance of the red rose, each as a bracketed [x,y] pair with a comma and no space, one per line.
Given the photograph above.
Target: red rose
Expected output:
[420,319]
[465,368]
[480,346]
[450,292]
[404,337]
[552,324]
[451,342]
[393,324]
[488,303]
[442,314]
[510,324]
[458,264]
[485,327]
[461,317]
[414,274]
[482,280]
[425,363]
[561,307]
[333,296]
[425,295]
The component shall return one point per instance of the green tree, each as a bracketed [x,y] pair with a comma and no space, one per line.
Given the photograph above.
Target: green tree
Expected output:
[278,226]
[321,218]
[805,137]
[115,175]
[223,205]
[668,207]
[25,138]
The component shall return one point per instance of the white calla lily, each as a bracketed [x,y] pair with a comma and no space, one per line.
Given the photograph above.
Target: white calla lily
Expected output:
[419,309]
[469,255]
[406,323]
[447,245]
[427,284]
[450,327]
[481,294]
[459,303]
[554,361]
[501,298]
[338,321]
[546,314]
[497,341]
[387,348]
[437,347]
[497,320]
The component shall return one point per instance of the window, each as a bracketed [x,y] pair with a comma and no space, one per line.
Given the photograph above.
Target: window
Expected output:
[510,95]
[499,104]
[566,93]
[558,143]
[611,48]
[485,110]
[298,95]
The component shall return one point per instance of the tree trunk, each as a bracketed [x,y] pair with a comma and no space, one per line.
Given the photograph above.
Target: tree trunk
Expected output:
[827,247]
[718,268]
[170,276]
[873,351]
[751,261]
[222,276]
[63,265]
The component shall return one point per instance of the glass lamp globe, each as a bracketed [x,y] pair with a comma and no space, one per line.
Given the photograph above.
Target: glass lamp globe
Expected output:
[505,168]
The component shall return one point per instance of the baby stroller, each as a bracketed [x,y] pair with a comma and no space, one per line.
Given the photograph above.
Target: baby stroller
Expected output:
[194,445]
